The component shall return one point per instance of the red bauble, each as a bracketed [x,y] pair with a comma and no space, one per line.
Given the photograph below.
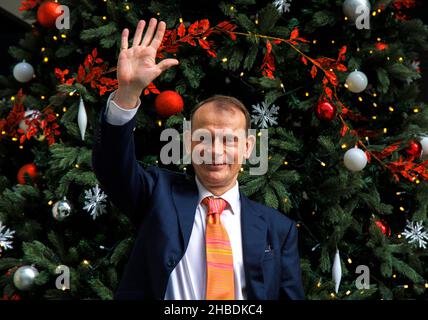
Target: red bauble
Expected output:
[30,169]
[383,226]
[48,13]
[414,149]
[168,103]
[325,111]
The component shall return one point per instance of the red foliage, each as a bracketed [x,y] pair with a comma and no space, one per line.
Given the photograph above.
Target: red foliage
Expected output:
[29,4]
[91,72]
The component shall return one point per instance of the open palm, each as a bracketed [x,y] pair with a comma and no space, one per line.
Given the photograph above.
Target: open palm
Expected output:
[136,66]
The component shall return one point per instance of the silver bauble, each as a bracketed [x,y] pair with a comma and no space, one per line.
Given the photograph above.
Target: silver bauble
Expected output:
[61,210]
[350,8]
[24,277]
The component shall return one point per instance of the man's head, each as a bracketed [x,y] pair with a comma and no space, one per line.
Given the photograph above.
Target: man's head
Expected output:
[220,140]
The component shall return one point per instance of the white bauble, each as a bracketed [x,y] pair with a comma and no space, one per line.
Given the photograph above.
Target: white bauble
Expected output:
[424,144]
[23,72]
[28,115]
[82,119]
[336,271]
[350,8]
[357,81]
[355,159]
[24,277]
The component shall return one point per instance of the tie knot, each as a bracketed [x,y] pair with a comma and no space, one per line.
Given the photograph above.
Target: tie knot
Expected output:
[214,205]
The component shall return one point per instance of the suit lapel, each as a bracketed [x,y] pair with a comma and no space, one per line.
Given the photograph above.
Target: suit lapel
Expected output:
[185,197]
[254,233]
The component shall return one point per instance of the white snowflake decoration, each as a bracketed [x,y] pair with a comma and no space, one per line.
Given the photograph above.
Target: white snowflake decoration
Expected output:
[6,236]
[282,5]
[95,201]
[264,115]
[416,234]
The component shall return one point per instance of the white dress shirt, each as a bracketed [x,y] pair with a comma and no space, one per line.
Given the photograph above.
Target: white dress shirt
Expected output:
[188,279]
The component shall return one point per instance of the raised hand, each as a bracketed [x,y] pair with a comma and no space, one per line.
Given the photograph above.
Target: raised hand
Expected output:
[136,66]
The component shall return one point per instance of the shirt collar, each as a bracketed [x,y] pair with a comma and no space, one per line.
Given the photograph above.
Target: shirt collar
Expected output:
[231,195]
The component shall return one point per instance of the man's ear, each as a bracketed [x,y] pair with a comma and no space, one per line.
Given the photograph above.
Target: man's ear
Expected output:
[249,146]
[187,140]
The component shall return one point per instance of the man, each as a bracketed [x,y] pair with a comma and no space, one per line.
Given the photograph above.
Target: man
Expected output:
[199,237]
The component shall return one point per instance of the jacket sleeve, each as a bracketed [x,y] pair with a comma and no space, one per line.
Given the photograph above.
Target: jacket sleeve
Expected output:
[122,178]
[291,281]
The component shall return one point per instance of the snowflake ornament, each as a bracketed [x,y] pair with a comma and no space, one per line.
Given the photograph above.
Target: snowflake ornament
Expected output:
[95,202]
[282,5]
[6,236]
[416,234]
[264,115]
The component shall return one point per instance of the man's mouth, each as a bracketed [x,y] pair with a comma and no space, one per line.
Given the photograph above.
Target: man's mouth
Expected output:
[216,166]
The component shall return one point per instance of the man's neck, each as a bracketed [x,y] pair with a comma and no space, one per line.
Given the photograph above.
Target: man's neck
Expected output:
[218,190]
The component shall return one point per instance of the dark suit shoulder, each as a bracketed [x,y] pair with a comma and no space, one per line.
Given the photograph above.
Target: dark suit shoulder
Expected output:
[169,175]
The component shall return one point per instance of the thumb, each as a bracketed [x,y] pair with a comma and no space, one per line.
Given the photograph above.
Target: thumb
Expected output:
[167,63]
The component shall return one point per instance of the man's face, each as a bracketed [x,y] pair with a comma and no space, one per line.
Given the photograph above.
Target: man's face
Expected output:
[219,144]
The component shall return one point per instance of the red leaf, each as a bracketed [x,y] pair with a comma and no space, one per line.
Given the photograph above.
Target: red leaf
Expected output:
[204,44]
[304,60]
[345,129]
[294,33]
[181,30]
[80,74]
[328,92]
[314,71]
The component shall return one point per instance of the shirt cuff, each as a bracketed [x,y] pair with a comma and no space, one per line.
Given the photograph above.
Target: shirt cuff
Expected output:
[116,115]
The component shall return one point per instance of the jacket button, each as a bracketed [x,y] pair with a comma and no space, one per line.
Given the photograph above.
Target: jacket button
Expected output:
[171,262]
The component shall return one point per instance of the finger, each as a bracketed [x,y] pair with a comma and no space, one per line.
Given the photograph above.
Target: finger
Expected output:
[167,63]
[149,33]
[157,40]
[124,41]
[138,33]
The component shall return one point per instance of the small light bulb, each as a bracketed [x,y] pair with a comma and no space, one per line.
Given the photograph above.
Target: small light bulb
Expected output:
[45,59]
[50,202]
[402,208]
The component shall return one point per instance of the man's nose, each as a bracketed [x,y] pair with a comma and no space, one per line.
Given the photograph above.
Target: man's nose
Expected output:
[217,150]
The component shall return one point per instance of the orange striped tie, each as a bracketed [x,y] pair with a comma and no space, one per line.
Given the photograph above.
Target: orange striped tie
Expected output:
[220,280]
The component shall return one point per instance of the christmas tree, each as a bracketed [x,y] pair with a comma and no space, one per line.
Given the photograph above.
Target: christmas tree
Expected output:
[334,82]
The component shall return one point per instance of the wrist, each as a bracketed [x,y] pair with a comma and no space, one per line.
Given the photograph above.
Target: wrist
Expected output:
[127,99]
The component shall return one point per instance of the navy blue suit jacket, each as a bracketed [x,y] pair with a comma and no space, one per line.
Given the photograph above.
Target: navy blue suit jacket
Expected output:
[164,204]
